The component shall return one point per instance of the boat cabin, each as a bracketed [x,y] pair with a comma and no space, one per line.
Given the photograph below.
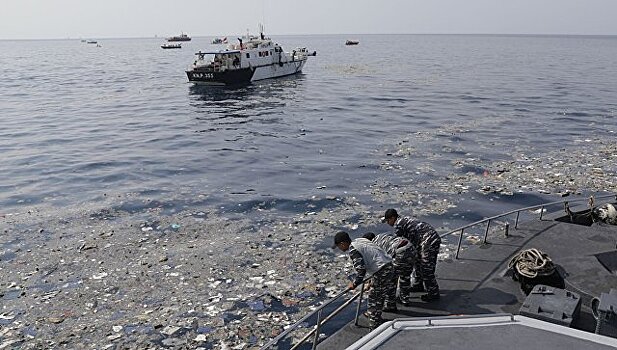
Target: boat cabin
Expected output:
[218,61]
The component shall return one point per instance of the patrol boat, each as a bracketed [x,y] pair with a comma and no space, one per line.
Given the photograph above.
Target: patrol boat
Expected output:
[181,37]
[489,303]
[253,58]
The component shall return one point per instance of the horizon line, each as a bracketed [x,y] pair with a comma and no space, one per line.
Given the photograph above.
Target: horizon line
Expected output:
[309,34]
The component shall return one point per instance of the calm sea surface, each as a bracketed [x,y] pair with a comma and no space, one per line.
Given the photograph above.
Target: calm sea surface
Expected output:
[79,121]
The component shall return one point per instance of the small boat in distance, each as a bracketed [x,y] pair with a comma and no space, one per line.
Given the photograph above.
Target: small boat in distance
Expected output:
[352,42]
[171,46]
[181,37]
[91,42]
[218,41]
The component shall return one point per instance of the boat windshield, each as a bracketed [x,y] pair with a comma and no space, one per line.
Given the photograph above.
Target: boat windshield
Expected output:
[207,57]
[218,61]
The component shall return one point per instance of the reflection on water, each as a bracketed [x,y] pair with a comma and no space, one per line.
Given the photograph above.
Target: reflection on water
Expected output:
[263,102]
[279,88]
[200,92]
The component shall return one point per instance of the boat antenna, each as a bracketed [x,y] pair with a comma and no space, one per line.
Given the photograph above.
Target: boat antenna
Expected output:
[263,14]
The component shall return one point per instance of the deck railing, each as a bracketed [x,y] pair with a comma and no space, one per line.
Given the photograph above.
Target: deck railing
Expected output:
[319,311]
[592,204]
[320,322]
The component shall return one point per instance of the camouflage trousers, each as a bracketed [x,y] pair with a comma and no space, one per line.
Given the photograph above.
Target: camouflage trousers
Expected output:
[403,264]
[382,293]
[424,271]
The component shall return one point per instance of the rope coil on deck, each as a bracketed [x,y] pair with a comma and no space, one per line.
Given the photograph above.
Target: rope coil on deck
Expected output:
[532,263]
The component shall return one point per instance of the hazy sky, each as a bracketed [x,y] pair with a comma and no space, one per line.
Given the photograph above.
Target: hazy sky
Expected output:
[33,19]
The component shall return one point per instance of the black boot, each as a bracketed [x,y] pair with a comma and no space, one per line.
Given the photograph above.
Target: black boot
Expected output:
[374,323]
[405,300]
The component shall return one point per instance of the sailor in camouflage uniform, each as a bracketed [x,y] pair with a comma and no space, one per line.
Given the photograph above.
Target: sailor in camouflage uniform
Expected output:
[426,240]
[403,255]
[368,258]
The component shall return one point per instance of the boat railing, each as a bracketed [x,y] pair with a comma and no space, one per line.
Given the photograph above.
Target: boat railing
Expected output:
[541,208]
[319,311]
[321,318]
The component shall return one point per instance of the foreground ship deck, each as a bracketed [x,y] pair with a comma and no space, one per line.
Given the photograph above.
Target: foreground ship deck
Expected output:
[477,282]
[481,333]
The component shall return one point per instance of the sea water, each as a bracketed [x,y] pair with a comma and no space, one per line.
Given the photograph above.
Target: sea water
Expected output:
[80,122]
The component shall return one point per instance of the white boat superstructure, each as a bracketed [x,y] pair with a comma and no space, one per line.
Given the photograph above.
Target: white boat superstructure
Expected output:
[252,58]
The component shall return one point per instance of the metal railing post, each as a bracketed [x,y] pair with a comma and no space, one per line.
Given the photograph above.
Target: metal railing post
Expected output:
[359,305]
[541,212]
[518,212]
[328,318]
[458,248]
[507,229]
[316,338]
[488,225]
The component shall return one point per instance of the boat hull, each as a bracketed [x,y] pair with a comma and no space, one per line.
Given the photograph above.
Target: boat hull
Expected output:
[230,77]
[245,75]
[276,70]
[178,39]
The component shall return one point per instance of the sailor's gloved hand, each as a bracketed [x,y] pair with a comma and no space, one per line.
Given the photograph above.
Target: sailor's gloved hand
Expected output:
[351,286]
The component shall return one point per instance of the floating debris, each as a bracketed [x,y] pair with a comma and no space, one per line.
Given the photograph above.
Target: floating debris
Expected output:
[99,276]
[7,316]
[128,277]
[170,330]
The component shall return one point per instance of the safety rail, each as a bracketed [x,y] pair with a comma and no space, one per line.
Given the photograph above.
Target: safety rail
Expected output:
[430,320]
[500,319]
[315,331]
[591,201]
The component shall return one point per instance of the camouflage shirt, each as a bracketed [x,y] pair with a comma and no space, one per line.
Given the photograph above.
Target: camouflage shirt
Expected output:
[358,263]
[389,242]
[367,257]
[417,232]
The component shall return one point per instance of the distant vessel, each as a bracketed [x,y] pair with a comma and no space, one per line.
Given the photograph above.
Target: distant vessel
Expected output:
[91,42]
[254,58]
[171,46]
[352,42]
[181,37]
[218,41]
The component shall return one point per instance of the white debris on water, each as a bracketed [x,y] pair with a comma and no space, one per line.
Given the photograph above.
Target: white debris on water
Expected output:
[150,278]
[99,276]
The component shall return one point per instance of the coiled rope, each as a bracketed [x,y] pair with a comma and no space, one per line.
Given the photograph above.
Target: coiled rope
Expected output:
[532,263]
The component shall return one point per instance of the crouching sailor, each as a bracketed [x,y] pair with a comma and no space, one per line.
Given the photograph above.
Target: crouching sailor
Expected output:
[427,241]
[403,256]
[369,259]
